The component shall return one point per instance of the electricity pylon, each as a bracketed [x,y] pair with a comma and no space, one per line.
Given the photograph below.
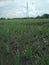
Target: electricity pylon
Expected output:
[27,11]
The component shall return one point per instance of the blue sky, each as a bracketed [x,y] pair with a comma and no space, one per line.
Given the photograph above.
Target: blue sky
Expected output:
[17,8]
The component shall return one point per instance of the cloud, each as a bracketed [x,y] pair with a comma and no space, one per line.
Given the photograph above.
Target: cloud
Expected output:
[6,0]
[5,3]
[13,13]
[18,8]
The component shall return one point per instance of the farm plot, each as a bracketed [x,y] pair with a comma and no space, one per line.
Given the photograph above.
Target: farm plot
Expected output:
[24,42]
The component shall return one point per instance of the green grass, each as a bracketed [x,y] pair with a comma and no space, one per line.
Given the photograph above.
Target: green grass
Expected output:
[29,36]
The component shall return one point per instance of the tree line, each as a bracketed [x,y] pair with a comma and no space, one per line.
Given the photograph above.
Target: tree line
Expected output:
[37,17]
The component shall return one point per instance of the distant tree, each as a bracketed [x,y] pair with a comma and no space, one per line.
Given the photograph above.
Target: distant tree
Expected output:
[45,16]
[37,17]
[2,18]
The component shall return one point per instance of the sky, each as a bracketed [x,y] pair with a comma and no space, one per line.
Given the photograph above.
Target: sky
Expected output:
[18,8]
